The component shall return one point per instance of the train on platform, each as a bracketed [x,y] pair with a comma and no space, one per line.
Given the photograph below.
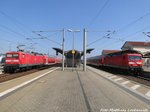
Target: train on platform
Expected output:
[20,61]
[129,61]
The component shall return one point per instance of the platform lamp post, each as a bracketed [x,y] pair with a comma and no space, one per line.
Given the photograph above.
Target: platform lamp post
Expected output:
[85,45]
[73,51]
[84,50]
[63,41]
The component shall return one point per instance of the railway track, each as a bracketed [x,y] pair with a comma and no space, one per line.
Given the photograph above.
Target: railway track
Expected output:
[140,79]
[144,78]
[6,76]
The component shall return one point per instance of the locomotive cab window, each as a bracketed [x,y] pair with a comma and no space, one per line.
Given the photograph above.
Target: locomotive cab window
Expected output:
[135,57]
[9,55]
[15,55]
[12,55]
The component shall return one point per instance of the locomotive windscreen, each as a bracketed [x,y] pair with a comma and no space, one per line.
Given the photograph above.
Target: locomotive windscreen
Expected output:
[12,55]
[135,57]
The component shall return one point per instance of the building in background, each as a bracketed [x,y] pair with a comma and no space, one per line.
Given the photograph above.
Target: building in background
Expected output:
[105,52]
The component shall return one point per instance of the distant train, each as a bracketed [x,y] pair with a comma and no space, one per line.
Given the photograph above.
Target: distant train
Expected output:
[129,60]
[23,61]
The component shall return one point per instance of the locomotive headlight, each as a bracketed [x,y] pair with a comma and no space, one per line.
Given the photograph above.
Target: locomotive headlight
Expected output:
[15,60]
[12,60]
[131,62]
[8,61]
[139,62]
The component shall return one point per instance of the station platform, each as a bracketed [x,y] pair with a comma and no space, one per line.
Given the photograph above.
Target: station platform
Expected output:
[1,69]
[146,69]
[71,90]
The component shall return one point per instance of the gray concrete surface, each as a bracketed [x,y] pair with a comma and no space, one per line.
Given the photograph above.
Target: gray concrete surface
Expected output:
[1,69]
[71,92]
[147,69]
[137,89]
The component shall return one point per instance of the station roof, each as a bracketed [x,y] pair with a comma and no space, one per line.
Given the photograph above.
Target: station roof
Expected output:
[124,52]
[146,55]
[109,51]
[132,43]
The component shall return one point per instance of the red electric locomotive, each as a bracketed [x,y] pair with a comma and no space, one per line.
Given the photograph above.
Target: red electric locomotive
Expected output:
[23,61]
[129,60]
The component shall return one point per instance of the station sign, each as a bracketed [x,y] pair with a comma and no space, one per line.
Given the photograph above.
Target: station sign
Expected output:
[73,51]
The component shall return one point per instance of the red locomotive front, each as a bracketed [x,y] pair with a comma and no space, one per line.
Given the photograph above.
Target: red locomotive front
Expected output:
[12,61]
[135,60]
[12,58]
[135,63]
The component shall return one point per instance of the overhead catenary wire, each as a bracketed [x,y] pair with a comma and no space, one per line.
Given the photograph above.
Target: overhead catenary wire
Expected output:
[133,22]
[139,31]
[3,39]
[9,29]
[45,37]
[98,14]
[15,21]
[106,36]
[123,40]
[8,40]
[147,34]
[96,41]
[112,44]
[129,25]
[118,40]
[38,33]
[47,31]
[23,28]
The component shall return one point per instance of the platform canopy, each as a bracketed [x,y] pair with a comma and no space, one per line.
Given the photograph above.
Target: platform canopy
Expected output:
[146,55]
[69,53]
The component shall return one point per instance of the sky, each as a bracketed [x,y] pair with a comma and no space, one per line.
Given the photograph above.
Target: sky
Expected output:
[122,20]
